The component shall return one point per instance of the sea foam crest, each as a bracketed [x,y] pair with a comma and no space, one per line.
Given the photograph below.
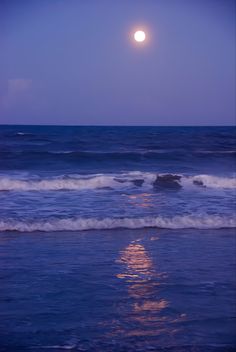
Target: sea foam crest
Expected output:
[75,182]
[114,181]
[215,181]
[8,184]
[80,224]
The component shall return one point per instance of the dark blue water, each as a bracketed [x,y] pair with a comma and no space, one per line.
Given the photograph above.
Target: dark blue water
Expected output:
[111,149]
[117,239]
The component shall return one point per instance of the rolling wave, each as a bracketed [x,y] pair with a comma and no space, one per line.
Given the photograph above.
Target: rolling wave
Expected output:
[116,181]
[215,181]
[95,182]
[90,155]
[81,224]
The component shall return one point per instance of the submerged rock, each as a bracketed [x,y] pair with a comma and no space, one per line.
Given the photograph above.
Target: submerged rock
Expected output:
[167,181]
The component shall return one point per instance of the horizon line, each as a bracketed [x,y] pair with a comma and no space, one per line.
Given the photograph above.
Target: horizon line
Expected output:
[107,125]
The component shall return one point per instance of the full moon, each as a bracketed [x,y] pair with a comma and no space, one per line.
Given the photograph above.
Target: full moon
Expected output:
[139,36]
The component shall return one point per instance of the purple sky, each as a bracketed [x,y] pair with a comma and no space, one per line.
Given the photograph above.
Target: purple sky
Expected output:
[75,62]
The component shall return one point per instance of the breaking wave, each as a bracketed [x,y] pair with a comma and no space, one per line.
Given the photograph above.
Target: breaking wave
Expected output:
[95,182]
[215,181]
[80,224]
[115,181]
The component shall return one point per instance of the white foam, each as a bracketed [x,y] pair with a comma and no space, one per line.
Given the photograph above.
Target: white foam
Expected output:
[77,182]
[56,184]
[215,181]
[98,181]
[80,224]
[22,133]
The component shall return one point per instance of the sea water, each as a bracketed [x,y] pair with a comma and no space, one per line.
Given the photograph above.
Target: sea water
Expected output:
[117,238]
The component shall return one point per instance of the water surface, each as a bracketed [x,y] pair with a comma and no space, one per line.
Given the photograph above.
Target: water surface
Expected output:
[119,290]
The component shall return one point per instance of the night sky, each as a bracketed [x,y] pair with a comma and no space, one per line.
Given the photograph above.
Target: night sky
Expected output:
[76,62]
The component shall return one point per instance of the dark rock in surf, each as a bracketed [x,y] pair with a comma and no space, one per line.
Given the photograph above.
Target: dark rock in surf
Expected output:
[138,182]
[168,181]
[198,183]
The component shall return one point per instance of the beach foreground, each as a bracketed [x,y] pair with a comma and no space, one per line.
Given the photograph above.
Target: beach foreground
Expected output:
[118,290]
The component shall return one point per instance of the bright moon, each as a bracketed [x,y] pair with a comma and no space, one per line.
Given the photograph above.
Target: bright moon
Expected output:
[139,36]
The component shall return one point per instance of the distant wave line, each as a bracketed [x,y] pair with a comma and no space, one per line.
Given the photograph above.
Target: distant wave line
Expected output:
[132,153]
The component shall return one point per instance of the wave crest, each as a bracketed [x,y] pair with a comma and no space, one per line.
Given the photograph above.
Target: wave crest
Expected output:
[124,180]
[77,182]
[7,184]
[80,224]
[215,181]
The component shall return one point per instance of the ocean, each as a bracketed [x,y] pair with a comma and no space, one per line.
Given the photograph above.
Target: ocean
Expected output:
[117,238]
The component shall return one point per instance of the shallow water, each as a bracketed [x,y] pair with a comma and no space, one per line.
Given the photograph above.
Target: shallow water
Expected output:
[118,290]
